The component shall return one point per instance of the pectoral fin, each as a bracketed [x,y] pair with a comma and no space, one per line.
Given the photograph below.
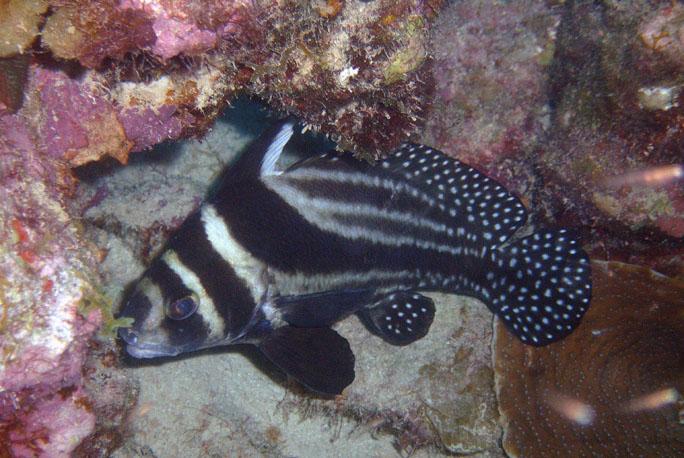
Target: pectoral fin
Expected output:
[322,309]
[400,318]
[319,358]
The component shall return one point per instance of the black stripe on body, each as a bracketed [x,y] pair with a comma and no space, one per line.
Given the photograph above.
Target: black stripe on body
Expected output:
[382,198]
[391,192]
[172,288]
[278,235]
[231,297]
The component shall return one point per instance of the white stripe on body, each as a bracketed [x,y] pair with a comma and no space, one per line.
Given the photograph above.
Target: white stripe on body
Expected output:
[299,283]
[322,213]
[246,266]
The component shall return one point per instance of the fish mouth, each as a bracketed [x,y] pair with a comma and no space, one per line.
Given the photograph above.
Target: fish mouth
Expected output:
[138,349]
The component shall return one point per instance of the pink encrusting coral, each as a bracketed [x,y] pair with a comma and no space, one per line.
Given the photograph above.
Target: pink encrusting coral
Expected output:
[54,428]
[490,78]
[79,122]
[189,27]
[46,292]
[83,121]
[490,107]
[358,72]
[560,102]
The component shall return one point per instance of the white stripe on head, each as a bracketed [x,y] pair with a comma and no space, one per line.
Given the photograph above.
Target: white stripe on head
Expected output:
[246,266]
[206,306]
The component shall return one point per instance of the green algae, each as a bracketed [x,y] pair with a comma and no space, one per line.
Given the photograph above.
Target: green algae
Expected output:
[409,57]
[95,299]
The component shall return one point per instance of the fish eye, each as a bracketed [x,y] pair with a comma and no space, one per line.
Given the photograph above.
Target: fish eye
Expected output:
[182,308]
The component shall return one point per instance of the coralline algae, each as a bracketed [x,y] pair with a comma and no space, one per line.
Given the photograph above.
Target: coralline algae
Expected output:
[173,66]
[45,279]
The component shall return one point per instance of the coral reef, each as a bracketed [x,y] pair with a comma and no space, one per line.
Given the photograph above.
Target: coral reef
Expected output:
[45,283]
[111,396]
[82,122]
[13,76]
[355,70]
[575,106]
[490,98]
[610,388]
[19,24]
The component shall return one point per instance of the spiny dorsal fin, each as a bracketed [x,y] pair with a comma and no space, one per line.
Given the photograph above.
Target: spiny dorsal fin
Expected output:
[262,155]
[400,318]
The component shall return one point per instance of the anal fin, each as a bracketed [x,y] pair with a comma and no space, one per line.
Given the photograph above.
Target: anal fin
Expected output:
[400,318]
[319,358]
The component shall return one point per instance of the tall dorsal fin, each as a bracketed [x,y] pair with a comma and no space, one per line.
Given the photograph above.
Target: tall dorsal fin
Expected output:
[261,157]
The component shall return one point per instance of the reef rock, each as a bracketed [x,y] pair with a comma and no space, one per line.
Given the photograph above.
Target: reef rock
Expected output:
[138,73]
[575,107]
[50,310]
[46,291]
[490,66]
[613,156]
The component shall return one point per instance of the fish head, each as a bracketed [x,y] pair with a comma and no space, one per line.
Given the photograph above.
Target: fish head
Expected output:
[169,316]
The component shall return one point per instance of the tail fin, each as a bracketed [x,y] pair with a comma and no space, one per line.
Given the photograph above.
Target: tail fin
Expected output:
[540,286]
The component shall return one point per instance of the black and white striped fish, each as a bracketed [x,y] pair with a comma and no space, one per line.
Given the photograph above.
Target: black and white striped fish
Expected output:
[274,258]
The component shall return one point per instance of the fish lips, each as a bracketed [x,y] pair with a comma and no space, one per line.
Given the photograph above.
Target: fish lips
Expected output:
[138,349]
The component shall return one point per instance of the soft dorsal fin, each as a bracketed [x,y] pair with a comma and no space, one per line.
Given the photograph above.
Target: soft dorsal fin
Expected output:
[263,154]
[474,200]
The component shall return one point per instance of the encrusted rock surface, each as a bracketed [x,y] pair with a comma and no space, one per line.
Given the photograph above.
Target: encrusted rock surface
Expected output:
[48,303]
[615,92]
[576,107]
[139,73]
